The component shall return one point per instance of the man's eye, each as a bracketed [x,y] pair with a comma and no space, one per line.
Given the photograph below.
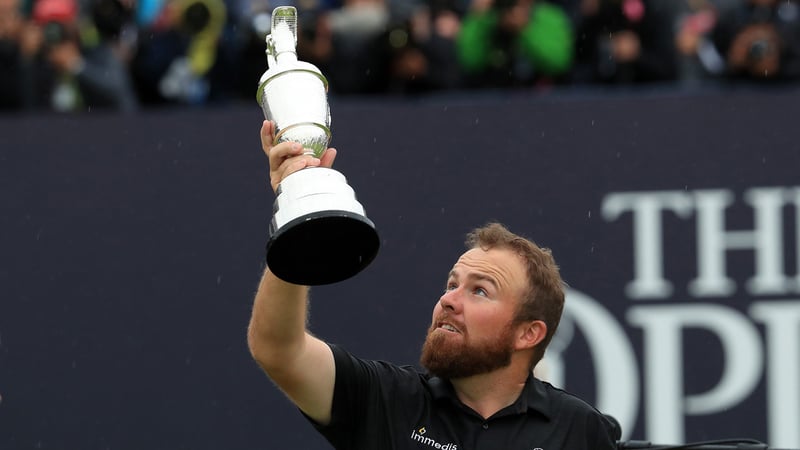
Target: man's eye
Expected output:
[482,292]
[450,286]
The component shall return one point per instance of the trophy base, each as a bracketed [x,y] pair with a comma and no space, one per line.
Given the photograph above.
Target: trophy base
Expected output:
[322,247]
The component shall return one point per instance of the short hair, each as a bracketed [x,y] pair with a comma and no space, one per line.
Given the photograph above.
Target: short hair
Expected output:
[544,299]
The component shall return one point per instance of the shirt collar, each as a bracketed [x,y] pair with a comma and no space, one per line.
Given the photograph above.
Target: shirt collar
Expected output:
[534,396]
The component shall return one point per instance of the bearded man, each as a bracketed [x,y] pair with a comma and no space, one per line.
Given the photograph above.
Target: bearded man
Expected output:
[501,306]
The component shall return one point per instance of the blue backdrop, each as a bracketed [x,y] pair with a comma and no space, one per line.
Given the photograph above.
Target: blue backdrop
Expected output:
[131,246]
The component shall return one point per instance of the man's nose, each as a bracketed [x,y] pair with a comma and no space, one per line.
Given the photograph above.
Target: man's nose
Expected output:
[451,299]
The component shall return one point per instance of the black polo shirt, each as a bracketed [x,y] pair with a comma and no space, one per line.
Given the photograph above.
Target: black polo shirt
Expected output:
[381,406]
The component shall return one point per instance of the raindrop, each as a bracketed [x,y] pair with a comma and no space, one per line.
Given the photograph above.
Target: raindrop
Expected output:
[589,214]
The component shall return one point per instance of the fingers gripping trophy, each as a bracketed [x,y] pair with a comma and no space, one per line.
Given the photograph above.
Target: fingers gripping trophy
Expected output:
[319,233]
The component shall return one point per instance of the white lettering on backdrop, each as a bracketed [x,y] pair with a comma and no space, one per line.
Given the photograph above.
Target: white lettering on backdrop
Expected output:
[748,358]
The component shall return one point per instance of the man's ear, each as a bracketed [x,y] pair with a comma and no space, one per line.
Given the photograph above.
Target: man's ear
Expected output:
[530,334]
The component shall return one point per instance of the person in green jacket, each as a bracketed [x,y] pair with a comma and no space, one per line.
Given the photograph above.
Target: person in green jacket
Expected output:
[507,43]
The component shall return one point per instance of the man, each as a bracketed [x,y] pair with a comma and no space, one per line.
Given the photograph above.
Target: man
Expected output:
[515,43]
[501,305]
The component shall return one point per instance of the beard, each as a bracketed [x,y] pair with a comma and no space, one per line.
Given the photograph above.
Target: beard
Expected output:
[449,358]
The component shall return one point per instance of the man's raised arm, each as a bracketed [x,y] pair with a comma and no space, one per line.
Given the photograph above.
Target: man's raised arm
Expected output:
[299,363]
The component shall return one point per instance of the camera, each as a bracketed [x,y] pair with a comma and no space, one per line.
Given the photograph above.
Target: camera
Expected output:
[54,33]
[758,49]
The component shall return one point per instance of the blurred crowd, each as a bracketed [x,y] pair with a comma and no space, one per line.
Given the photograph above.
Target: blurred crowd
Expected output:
[127,55]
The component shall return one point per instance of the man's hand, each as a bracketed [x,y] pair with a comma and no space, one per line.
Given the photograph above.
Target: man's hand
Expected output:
[289,157]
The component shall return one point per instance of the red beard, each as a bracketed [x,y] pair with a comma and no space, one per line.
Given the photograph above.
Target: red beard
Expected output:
[455,356]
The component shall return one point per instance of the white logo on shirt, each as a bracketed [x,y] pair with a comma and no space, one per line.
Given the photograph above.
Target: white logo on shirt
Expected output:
[418,435]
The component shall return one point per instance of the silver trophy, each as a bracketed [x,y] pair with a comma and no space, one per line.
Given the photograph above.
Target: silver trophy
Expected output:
[319,232]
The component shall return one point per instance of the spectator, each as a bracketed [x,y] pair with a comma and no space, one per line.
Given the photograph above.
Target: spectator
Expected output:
[66,73]
[12,54]
[506,43]
[573,8]
[416,55]
[341,37]
[761,40]
[177,54]
[105,79]
[698,59]
[52,57]
[625,42]
[252,25]
[61,71]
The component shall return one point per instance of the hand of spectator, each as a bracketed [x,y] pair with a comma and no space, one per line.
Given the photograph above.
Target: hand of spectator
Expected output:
[410,64]
[10,23]
[288,157]
[30,39]
[692,28]
[625,46]
[687,42]
[65,57]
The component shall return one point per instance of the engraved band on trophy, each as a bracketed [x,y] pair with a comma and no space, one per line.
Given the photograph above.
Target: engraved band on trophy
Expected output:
[319,233]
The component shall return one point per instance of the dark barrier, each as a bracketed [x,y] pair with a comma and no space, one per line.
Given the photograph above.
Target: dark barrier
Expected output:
[131,247]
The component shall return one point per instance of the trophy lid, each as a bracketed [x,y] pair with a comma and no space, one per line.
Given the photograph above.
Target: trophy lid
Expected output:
[282,50]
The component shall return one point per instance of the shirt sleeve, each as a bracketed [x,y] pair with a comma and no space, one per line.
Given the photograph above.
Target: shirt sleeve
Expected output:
[362,392]
[583,425]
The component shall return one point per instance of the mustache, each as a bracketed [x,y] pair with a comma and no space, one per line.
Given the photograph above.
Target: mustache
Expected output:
[446,318]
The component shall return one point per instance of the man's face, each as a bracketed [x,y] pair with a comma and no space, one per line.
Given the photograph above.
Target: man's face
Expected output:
[472,329]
